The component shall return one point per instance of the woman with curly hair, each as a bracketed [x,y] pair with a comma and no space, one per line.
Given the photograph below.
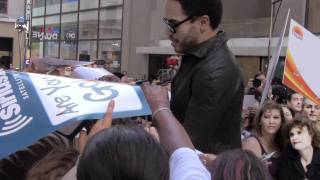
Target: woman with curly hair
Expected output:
[301,157]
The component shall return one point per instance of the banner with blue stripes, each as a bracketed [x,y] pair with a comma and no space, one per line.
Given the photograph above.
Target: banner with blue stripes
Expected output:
[33,105]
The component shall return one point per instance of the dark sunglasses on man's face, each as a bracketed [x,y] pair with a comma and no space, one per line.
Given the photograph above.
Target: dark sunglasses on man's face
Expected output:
[172,25]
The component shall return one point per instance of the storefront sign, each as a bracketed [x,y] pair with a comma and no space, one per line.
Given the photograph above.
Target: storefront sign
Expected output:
[51,34]
[33,105]
[47,36]
[70,36]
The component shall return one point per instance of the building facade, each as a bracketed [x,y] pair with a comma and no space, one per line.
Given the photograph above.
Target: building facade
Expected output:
[11,42]
[77,30]
[247,24]
[130,36]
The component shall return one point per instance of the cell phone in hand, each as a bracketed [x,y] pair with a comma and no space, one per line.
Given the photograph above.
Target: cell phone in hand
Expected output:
[266,157]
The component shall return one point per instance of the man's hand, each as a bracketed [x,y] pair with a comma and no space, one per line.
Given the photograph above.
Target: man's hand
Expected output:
[99,126]
[157,96]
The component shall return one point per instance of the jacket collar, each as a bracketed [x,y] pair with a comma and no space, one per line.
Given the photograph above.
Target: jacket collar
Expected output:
[211,45]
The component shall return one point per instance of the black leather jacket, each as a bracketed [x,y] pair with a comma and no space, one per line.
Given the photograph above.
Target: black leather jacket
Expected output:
[207,95]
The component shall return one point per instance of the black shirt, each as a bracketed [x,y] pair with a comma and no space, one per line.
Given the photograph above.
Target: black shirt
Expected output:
[290,167]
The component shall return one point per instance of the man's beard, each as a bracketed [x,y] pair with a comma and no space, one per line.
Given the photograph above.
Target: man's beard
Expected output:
[187,43]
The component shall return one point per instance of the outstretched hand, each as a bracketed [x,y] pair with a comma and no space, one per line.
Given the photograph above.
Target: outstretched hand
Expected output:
[157,96]
[98,126]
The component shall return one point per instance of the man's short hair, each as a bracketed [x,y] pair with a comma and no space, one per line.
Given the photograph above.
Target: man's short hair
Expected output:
[290,93]
[211,8]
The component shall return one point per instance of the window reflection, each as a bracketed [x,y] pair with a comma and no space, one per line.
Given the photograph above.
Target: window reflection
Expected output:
[111,23]
[68,45]
[69,5]
[105,3]
[89,4]
[88,25]
[3,6]
[37,7]
[37,29]
[110,51]
[36,50]
[87,50]
[69,27]
[68,50]
[52,28]
[53,6]
[51,49]
[76,36]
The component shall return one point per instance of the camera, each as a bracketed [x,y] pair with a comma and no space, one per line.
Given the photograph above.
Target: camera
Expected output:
[256,83]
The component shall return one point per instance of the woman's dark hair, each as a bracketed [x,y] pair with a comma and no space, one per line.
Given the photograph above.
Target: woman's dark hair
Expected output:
[300,123]
[255,76]
[238,164]
[211,8]
[123,152]
[55,165]
[257,125]
[17,165]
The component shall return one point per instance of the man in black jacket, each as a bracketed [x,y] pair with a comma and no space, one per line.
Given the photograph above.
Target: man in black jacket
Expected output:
[207,91]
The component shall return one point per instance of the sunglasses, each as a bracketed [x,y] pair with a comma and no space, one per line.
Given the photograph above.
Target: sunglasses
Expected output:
[172,26]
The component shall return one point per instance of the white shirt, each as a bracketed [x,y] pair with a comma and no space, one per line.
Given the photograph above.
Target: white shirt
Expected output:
[185,164]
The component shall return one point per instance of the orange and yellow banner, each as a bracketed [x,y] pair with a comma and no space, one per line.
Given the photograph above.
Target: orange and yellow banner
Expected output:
[302,66]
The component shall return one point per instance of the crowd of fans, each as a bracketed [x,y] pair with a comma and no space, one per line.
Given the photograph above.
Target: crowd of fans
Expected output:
[280,140]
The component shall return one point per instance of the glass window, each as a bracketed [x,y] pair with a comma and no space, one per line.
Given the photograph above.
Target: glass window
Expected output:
[87,50]
[36,50]
[68,50]
[3,6]
[105,3]
[52,28]
[69,5]
[88,25]
[69,27]
[37,29]
[313,16]
[37,7]
[51,49]
[53,6]
[68,45]
[111,23]
[88,4]
[110,51]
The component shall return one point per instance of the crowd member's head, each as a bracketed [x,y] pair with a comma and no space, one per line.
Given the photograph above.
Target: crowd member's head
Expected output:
[294,101]
[258,81]
[18,164]
[238,165]
[191,22]
[288,113]
[302,135]
[55,165]
[279,93]
[123,152]
[269,120]
[311,110]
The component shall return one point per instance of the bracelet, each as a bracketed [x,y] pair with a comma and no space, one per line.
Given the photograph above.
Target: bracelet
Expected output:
[158,110]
